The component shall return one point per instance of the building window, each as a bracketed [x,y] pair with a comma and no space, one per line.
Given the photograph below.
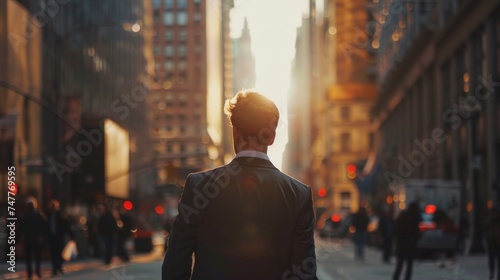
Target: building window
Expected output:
[169,117]
[182,79]
[169,65]
[168,18]
[345,142]
[169,51]
[181,50]
[197,17]
[182,117]
[345,113]
[156,17]
[182,65]
[182,18]
[157,50]
[181,4]
[345,200]
[183,34]
[169,148]
[168,4]
[182,129]
[183,99]
[182,147]
[169,35]
[156,4]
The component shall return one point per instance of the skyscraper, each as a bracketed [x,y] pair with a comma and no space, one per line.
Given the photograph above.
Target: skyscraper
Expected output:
[244,61]
[186,108]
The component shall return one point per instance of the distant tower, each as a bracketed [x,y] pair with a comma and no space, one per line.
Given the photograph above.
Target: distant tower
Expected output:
[244,61]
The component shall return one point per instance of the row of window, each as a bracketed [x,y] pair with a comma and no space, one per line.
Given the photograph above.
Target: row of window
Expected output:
[182,130]
[176,18]
[169,51]
[182,117]
[182,37]
[170,96]
[170,4]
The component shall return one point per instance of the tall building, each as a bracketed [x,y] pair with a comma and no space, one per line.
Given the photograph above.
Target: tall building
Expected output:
[244,61]
[297,156]
[21,103]
[342,67]
[101,73]
[190,51]
[438,109]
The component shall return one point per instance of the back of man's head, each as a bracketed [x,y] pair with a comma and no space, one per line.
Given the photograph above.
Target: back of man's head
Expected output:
[254,115]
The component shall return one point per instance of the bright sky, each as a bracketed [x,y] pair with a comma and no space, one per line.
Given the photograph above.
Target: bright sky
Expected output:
[273,27]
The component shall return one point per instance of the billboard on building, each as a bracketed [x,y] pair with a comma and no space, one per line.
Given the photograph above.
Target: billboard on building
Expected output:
[116,147]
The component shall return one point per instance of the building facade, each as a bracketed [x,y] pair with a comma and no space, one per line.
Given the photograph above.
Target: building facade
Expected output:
[438,109]
[21,103]
[344,76]
[191,50]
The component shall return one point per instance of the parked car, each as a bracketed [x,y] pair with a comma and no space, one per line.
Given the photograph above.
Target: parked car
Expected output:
[439,233]
[333,224]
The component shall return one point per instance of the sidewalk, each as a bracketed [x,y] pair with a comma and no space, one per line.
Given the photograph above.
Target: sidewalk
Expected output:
[336,261]
[78,265]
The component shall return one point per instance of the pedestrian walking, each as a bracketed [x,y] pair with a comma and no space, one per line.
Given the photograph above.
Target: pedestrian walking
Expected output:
[58,229]
[125,226]
[386,229]
[493,242]
[245,220]
[407,234]
[360,221]
[33,225]
[106,229]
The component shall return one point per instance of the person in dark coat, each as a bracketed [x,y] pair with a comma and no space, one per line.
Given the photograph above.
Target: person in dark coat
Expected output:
[106,230]
[167,229]
[407,237]
[493,242]
[125,227]
[58,227]
[386,228]
[360,221]
[33,225]
[245,220]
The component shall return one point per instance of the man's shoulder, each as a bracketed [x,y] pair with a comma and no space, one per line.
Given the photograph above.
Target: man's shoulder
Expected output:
[296,182]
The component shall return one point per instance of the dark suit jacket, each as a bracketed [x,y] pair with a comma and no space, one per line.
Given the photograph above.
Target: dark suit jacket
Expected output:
[244,220]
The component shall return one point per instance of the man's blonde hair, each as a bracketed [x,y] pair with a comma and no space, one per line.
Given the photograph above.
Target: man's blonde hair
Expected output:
[254,115]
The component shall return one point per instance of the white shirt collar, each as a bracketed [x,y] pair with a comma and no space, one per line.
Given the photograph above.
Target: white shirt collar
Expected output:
[252,153]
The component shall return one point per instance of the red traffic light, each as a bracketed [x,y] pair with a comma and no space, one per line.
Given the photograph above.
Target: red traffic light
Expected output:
[335,218]
[159,209]
[430,209]
[128,205]
[322,192]
[351,168]
[351,171]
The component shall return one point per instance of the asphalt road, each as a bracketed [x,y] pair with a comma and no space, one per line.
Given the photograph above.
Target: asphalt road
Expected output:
[335,261]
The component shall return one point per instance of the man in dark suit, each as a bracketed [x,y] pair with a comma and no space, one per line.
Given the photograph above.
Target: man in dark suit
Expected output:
[58,227]
[244,220]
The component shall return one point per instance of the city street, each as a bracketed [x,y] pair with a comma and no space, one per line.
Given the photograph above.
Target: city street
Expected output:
[335,261]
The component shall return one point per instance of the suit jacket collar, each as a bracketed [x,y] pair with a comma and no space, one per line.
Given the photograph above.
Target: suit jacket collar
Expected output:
[253,161]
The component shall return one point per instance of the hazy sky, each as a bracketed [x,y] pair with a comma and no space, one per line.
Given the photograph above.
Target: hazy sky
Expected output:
[273,26]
